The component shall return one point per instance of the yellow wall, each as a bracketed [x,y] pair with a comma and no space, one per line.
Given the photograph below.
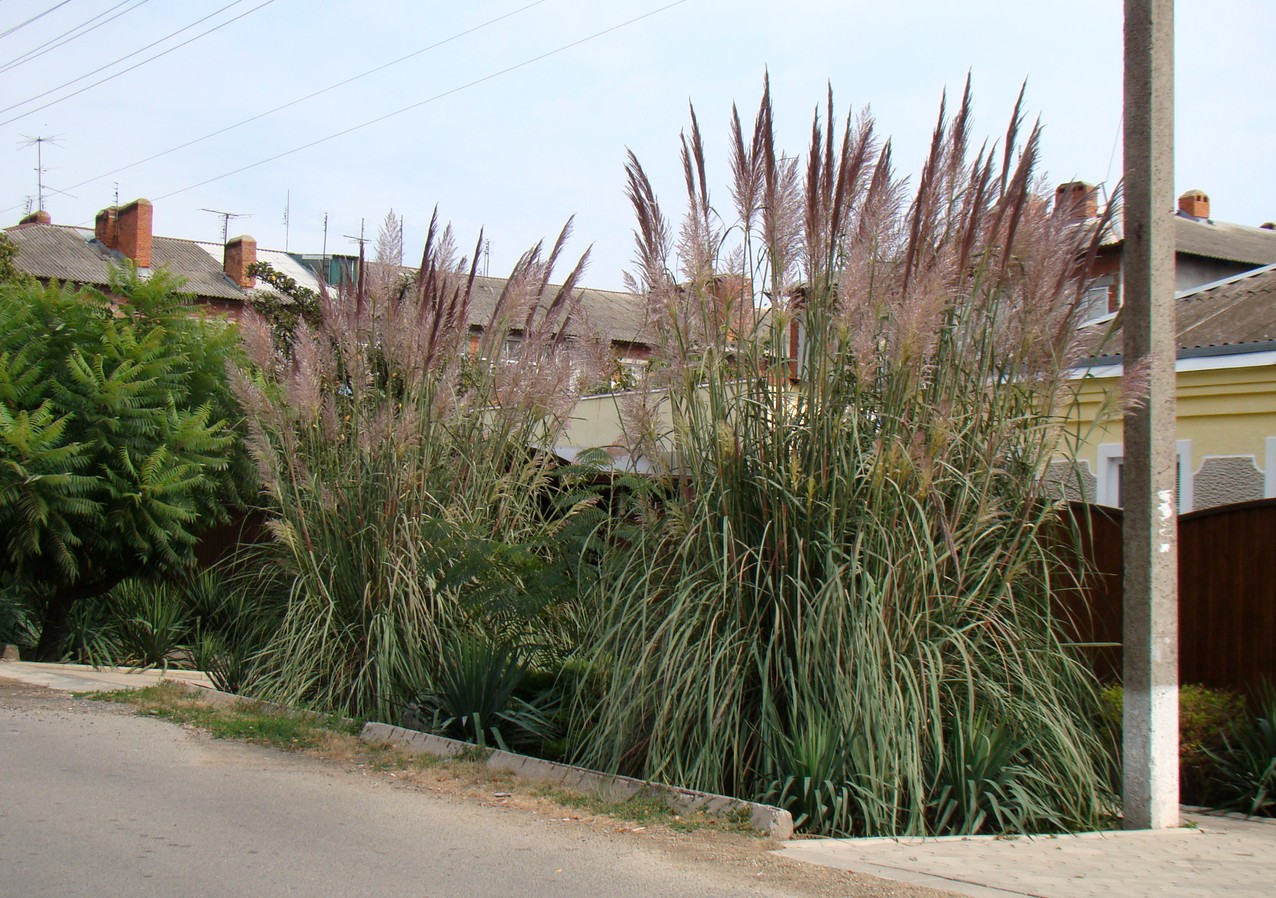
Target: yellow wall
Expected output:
[598,421]
[1222,412]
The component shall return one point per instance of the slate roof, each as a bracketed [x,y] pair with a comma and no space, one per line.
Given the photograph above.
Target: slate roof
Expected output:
[1236,314]
[616,316]
[1215,240]
[71,254]
[1221,240]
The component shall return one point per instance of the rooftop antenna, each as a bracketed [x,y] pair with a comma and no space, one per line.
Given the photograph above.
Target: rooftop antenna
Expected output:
[325,240]
[287,216]
[362,241]
[487,255]
[226,217]
[38,143]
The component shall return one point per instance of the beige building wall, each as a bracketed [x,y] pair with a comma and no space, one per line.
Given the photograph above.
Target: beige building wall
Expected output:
[1226,433]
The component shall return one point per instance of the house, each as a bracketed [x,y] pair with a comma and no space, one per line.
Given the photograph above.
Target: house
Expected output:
[1226,398]
[1205,250]
[215,276]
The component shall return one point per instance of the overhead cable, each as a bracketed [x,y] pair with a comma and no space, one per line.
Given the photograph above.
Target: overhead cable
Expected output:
[128,57]
[9,31]
[54,43]
[309,96]
[420,103]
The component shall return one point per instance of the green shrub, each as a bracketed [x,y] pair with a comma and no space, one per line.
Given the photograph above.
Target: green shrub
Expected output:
[475,693]
[1205,717]
[117,439]
[18,625]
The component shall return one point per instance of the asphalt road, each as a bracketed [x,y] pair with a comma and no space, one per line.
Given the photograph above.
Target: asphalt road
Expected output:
[97,802]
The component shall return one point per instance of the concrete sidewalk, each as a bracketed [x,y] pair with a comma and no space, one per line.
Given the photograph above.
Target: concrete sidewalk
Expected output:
[82,678]
[1211,855]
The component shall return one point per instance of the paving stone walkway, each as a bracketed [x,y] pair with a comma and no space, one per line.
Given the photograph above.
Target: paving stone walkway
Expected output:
[82,678]
[1211,855]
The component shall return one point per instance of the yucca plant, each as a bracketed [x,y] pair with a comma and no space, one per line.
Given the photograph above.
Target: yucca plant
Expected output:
[862,384]
[473,693]
[152,623]
[1245,767]
[411,483]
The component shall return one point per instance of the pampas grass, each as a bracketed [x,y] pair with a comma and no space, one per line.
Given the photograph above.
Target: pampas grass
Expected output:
[413,494]
[844,601]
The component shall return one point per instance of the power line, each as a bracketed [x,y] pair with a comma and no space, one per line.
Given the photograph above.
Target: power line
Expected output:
[9,31]
[420,103]
[130,56]
[55,42]
[309,96]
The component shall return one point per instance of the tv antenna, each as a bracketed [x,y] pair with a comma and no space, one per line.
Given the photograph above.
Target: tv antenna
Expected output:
[361,240]
[38,143]
[226,217]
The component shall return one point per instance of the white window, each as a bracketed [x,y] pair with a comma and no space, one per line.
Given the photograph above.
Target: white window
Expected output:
[1098,300]
[1111,469]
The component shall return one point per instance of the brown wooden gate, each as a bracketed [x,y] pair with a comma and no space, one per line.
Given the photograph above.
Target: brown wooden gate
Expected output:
[1227,593]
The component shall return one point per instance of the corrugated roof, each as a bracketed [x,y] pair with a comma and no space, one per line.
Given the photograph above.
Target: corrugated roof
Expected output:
[1222,240]
[203,275]
[1214,240]
[279,260]
[1214,318]
[613,315]
[72,254]
[54,251]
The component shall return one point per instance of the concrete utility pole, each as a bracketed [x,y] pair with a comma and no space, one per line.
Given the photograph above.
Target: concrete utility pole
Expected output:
[1150,465]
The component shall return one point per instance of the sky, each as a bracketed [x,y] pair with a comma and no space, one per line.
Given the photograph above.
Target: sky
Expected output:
[512,116]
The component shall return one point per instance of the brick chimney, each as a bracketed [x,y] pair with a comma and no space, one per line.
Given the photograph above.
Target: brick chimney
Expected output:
[240,255]
[104,227]
[133,231]
[38,217]
[1076,201]
[1195,203]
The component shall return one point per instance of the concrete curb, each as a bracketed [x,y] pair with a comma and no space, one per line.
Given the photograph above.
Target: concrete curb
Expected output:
[774,822]
[217,697]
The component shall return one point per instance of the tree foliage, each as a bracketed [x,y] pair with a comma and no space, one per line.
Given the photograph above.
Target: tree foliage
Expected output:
[117,441]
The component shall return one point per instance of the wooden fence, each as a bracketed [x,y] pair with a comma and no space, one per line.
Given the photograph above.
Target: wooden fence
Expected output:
[1227,593]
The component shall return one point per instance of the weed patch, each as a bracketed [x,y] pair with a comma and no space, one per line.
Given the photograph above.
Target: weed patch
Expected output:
[245,720]
[649,810]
